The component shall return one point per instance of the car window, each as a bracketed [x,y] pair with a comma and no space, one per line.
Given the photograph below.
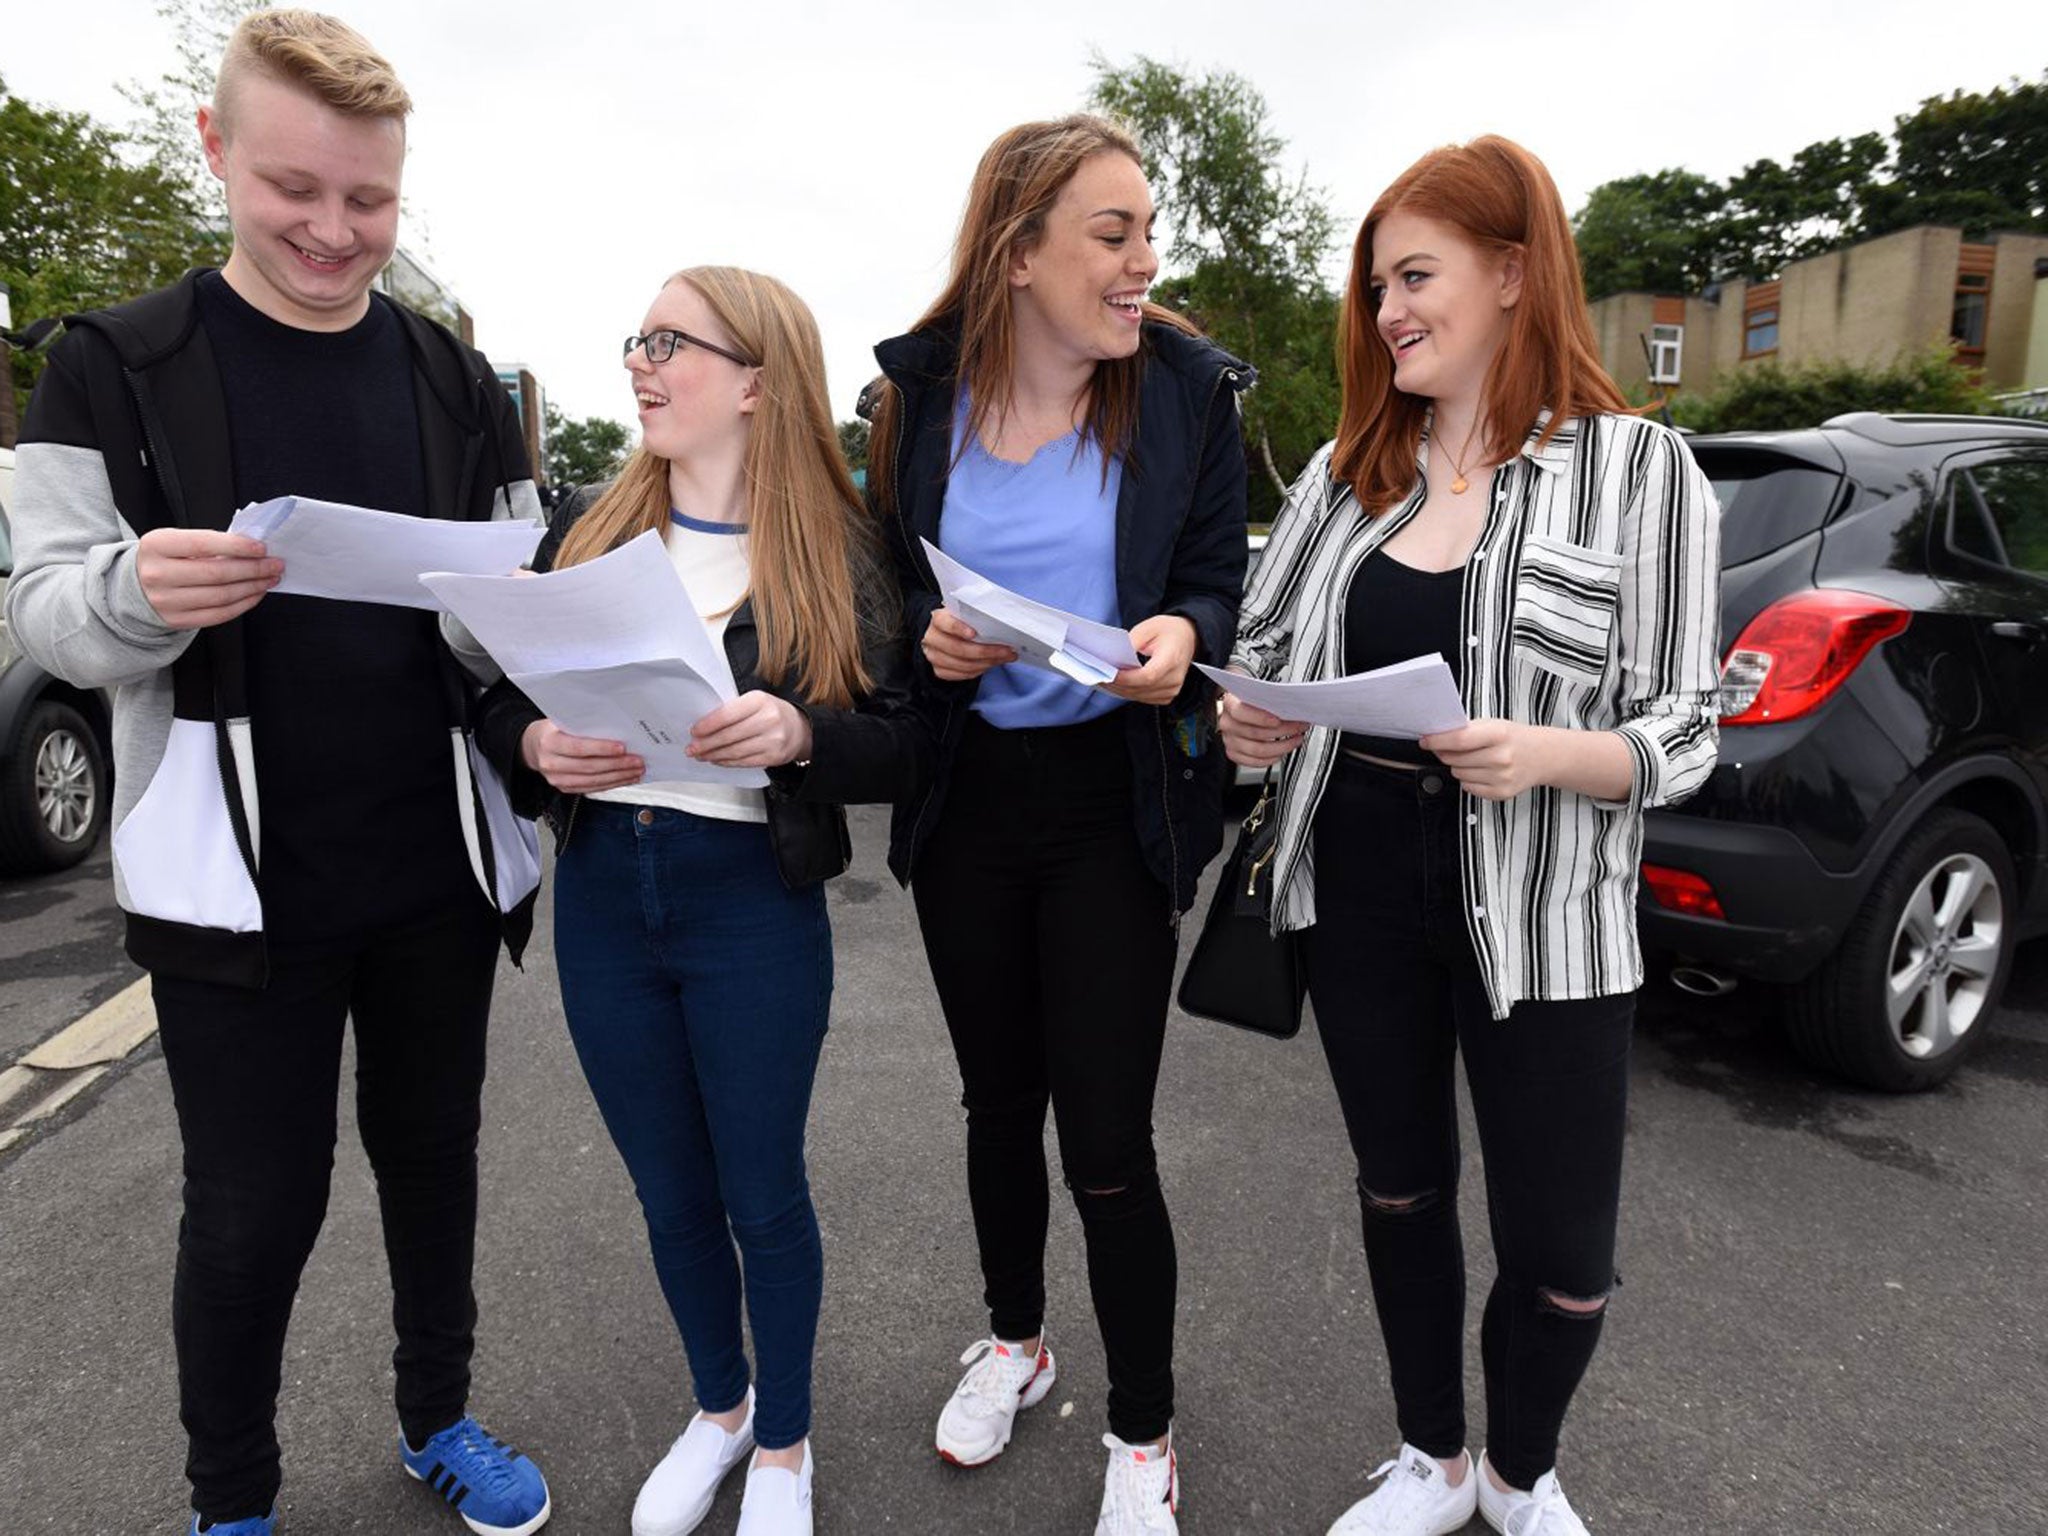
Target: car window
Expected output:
[1766,501]
[2011,522]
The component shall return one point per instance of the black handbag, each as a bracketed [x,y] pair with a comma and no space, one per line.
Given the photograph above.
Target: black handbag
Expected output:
[1241,973]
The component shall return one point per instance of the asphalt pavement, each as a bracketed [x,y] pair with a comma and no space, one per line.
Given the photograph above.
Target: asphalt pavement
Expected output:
[1833,1317]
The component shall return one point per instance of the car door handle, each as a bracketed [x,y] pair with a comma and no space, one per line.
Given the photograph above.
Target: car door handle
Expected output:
[2017,629]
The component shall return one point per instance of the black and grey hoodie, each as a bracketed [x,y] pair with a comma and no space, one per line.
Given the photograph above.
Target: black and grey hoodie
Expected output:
[128,431]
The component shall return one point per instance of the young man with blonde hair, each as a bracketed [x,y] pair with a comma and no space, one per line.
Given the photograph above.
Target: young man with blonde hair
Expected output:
[303,835]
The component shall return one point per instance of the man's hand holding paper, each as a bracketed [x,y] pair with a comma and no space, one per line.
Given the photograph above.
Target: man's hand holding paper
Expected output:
[361,555]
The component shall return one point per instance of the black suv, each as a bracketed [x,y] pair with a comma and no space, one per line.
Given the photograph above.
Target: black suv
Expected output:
[1876,832]
[54,751]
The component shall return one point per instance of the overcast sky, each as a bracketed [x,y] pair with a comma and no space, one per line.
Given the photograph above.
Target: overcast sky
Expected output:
[567,157]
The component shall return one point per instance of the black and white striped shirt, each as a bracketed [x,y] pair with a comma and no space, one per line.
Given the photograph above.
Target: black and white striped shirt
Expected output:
[1591,601]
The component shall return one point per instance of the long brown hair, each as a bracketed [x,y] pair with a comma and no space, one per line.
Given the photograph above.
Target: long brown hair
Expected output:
[1500,198]
[808,551]
[1020,177]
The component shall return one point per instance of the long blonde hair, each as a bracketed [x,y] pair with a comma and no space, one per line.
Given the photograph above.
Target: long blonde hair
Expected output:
[1020,177]
[808,551]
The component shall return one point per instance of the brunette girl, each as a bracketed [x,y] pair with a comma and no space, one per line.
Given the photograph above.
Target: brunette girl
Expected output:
[1049,429]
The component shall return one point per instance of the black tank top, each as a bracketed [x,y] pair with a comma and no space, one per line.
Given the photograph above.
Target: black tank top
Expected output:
[1393,612]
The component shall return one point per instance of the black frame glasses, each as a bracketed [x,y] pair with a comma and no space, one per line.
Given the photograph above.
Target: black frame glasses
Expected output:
[661,346]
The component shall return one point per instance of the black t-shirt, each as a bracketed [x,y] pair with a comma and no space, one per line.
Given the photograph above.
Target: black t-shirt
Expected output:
[348,702]
[1394,612]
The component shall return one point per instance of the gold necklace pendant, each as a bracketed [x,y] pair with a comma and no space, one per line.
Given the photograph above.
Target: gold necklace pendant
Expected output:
[1460,486]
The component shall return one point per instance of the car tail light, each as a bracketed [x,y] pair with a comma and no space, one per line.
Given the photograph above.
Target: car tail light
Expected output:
[1798,651]
[1680,890]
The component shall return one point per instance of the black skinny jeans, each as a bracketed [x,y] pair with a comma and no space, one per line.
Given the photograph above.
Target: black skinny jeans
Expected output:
[255,1074]
[1397,995]
[1052,950]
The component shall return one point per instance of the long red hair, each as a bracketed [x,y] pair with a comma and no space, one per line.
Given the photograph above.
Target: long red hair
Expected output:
[1500,198]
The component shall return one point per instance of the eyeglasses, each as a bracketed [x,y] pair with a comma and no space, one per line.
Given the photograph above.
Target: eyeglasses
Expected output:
[661,346]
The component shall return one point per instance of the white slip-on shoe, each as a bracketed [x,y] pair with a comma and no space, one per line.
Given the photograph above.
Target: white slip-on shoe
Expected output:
[1414,1498]
[1140,1490]
[1001,1380]
[778,1501]
[679,1491]
[1542,1511]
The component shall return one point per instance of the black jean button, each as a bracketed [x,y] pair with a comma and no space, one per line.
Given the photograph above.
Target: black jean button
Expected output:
[1432,784]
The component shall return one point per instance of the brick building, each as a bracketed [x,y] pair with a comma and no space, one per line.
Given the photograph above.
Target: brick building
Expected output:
[1870,303]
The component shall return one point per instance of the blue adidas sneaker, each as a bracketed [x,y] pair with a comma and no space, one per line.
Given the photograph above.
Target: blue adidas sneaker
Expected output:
[255,1525]
[497,1491]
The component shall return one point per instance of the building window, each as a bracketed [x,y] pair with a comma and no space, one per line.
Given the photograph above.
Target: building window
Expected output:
[1667,353]
[1760,320]
[1972,310]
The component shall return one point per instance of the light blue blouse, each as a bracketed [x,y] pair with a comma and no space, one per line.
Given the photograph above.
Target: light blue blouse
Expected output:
[1045,528]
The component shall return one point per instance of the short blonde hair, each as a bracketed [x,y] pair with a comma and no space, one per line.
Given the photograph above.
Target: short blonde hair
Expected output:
[317,54]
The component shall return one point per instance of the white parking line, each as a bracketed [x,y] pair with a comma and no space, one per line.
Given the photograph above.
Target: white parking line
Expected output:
[106,1034]
[72,1060]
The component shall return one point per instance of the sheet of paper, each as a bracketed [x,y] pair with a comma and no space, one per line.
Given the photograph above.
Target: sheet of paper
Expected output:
[648,705]
[1412,698]
[366,556]
[625,606]
[611,648]
[1044,636]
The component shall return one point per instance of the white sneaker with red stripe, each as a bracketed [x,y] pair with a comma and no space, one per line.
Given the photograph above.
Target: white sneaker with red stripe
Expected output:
[1001,1378]
[1141,1490]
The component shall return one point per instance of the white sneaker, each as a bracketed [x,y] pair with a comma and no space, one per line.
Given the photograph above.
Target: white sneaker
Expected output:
[1140,1491]
[975,1424]
[678,1492]
[1415,1498]
[778,1501]
[1542,1511]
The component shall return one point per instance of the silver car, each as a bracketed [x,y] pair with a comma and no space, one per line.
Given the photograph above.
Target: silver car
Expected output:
[55,784]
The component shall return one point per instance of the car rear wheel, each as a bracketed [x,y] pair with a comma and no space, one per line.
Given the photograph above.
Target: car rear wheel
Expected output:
[1911,989]
[53,803]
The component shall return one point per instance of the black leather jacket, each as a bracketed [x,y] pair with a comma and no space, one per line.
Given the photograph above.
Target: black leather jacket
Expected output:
[878,751]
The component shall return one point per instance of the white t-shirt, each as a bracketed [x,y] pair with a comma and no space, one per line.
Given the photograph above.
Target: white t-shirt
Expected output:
[712,560]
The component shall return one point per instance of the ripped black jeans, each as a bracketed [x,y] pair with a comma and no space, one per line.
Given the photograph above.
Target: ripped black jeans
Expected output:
[1053,956]
[1397,996]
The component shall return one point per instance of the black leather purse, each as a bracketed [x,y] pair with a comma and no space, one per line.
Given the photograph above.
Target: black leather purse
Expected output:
[1240,973]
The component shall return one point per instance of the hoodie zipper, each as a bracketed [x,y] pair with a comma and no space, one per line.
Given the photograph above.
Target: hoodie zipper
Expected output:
[174,499]
[918,562]
[1173,907]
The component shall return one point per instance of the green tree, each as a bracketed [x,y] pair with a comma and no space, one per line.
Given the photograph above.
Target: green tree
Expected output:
[583,452]
[1245,250]
[853,444]
[1978,160]
[1783,213]
[166,125]
[82,222]
[1663,232]
[1764,397]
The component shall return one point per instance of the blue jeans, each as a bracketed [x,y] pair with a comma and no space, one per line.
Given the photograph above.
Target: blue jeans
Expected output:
[697,989]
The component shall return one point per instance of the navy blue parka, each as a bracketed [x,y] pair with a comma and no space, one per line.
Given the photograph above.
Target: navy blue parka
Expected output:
[1180,549]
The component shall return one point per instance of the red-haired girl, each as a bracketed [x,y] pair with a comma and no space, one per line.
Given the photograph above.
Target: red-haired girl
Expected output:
[1488,497]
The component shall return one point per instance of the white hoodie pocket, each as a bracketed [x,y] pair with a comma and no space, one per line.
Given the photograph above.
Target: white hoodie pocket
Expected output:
[176,849]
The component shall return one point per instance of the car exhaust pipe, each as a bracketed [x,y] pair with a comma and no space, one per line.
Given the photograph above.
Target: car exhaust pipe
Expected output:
[1702,982]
